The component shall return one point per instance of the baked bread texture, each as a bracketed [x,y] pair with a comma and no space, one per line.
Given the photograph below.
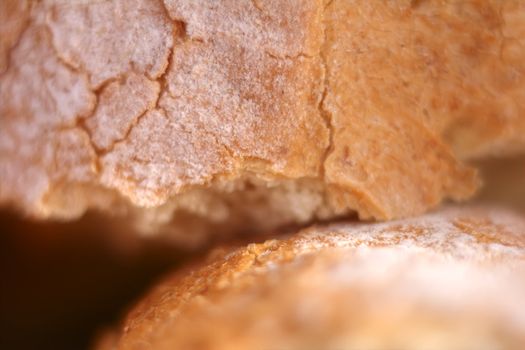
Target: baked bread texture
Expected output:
[454,279]
[201,117]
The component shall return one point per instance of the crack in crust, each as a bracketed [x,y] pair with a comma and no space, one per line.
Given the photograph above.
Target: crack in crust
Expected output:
[14,19]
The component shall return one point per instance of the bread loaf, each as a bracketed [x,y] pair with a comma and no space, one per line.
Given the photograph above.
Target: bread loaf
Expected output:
[454,279]
[202,117]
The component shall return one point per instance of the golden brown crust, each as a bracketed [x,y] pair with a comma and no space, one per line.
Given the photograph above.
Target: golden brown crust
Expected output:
[453,278]
[14,15]
[176,97]
[455,66]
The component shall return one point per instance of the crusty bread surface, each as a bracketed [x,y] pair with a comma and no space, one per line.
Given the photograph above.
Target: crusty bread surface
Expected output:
[204,117]
[453,279]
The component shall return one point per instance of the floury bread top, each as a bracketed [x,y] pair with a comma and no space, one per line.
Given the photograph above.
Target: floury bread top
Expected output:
[453,279]
[227,116]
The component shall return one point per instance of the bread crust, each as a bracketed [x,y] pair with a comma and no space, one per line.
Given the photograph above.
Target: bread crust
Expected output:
[451,279]
[159,99]
[13,20]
